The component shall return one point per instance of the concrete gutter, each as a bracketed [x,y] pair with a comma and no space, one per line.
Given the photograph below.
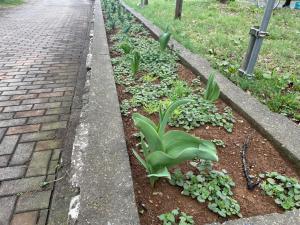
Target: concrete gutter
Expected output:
[100,163]
[282,132]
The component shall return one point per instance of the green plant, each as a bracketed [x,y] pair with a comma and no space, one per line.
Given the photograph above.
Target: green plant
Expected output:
[285,190]
[162,149]
[126,28]
[212,91]
[200,112]
[148,78]
[176,217]
[135,63]
[10,2]
[112,23]
[179,90]
[219,142]
[164,39]
[126,47]
[209,185]
[152,107]
[204,166]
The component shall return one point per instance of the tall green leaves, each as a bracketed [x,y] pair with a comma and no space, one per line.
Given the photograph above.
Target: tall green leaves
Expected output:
[135,63]
[164,39]
[212,91]
[162,149]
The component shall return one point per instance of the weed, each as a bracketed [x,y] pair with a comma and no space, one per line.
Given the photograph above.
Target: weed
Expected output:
[285,190]
[176,217]
[209,185]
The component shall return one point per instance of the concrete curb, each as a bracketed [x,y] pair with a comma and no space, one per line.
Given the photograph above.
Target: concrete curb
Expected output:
[277,128]
[283,133]
[100,163]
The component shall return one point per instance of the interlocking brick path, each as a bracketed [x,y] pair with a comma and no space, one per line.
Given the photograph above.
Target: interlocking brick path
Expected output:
[41,43]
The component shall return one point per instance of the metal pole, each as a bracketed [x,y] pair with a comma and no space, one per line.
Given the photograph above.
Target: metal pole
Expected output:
[256,40]
[249,51]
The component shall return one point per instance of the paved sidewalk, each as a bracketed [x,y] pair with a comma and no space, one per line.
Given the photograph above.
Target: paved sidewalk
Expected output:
[41,43]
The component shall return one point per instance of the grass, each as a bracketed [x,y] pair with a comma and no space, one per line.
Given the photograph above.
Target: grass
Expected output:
[220,34]
[5,3]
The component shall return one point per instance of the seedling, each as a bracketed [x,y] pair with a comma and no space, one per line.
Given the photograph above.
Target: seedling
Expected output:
[212,91]
[285,190]
[135,63]
[164,39]
[176,217]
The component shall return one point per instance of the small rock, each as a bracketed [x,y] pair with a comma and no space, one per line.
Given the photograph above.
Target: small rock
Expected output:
[158,193]
[88,61]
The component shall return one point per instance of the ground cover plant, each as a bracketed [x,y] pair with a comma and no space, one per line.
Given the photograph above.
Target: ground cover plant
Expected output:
[219,33]
[159,83]
[285,190]
[176,217]
[209,185]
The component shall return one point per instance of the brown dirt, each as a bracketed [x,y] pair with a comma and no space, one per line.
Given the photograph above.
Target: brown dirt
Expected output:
[262,157]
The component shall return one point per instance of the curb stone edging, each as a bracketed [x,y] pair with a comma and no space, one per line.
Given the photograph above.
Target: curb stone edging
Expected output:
[100,162]
[272,125]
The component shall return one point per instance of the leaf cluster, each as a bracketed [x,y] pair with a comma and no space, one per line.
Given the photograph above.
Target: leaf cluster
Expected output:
[176,217]
[285,190]
[213,186]
[162,150]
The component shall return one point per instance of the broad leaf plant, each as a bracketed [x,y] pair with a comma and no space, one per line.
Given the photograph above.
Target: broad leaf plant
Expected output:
[162,150]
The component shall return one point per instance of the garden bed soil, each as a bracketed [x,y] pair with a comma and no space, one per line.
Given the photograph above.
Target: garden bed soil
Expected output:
[262,157]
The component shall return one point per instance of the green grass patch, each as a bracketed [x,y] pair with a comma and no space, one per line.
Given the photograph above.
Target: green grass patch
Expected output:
[219,33]
[4,3]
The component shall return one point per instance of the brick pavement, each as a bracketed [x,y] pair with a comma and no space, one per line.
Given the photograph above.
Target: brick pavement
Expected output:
[41,44]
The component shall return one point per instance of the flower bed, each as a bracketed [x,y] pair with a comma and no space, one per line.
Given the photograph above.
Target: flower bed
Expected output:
[148,79]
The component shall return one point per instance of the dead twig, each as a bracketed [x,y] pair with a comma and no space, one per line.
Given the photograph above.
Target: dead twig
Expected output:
[250,184]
